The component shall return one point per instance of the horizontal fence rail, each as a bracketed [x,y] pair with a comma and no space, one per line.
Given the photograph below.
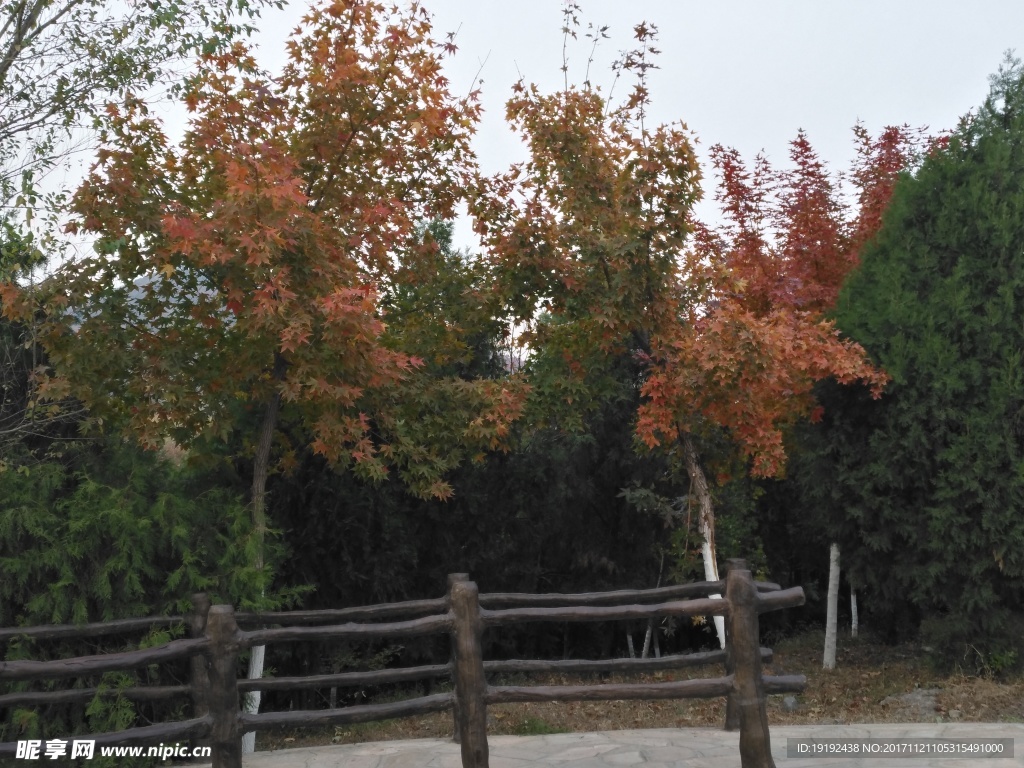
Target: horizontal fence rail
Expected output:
[351,631]
[198,727]
[354,679]
[409,609]
[617,597]
[100,629]
[96,665]
[84,695]
[684,689]
[363,713]
[216,642]
[774,601]
[674,661]
[703,607]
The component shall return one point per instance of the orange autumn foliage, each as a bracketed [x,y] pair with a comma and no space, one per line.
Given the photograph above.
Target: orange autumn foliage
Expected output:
[747,359]
[244,268]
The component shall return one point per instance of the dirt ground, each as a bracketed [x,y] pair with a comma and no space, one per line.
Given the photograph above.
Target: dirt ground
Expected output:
[872,683]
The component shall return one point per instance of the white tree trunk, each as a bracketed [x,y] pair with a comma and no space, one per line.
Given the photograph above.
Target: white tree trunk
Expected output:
[707,552]
[853,612]
[700,489]
[251,700]
[833,608]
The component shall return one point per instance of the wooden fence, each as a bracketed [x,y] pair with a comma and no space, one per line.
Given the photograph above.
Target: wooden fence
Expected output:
[216,642]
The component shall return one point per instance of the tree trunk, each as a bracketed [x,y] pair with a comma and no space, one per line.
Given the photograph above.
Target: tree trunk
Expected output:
[706,519]
[651,632]
[853,612]
[833,608]
[260,470]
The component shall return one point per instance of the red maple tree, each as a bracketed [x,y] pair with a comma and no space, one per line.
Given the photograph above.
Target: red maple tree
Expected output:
[747,359]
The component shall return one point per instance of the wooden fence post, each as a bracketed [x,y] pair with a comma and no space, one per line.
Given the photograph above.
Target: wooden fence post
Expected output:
[732,712]
[200,680]
[755,742]
[225,735]
[470,683]
[456,730]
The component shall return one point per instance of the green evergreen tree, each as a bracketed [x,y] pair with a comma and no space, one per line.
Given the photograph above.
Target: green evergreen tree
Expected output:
[100,530]
[924,488]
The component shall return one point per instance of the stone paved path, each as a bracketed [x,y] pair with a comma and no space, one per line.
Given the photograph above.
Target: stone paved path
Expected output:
[689,747]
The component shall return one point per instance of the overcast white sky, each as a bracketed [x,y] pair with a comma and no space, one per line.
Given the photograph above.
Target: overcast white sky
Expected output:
[744,73]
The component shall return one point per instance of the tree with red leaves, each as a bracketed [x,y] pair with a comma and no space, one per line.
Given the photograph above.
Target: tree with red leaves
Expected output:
[746,361]
[599,257]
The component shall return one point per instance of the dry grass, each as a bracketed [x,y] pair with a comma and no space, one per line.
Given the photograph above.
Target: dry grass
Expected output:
[869,685]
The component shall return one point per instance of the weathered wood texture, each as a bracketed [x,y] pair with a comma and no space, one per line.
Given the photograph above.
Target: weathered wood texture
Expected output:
[470,683]
[678,661]
[226,733]
[775,601]
[82,695]
[456,716]
[100,629]
[199,678]
[702,607]
[407,609]
[732,712]
[423,705]
[494,600]
[684,689]
[94,665]
[784,683]
[748,688]
[424,626]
